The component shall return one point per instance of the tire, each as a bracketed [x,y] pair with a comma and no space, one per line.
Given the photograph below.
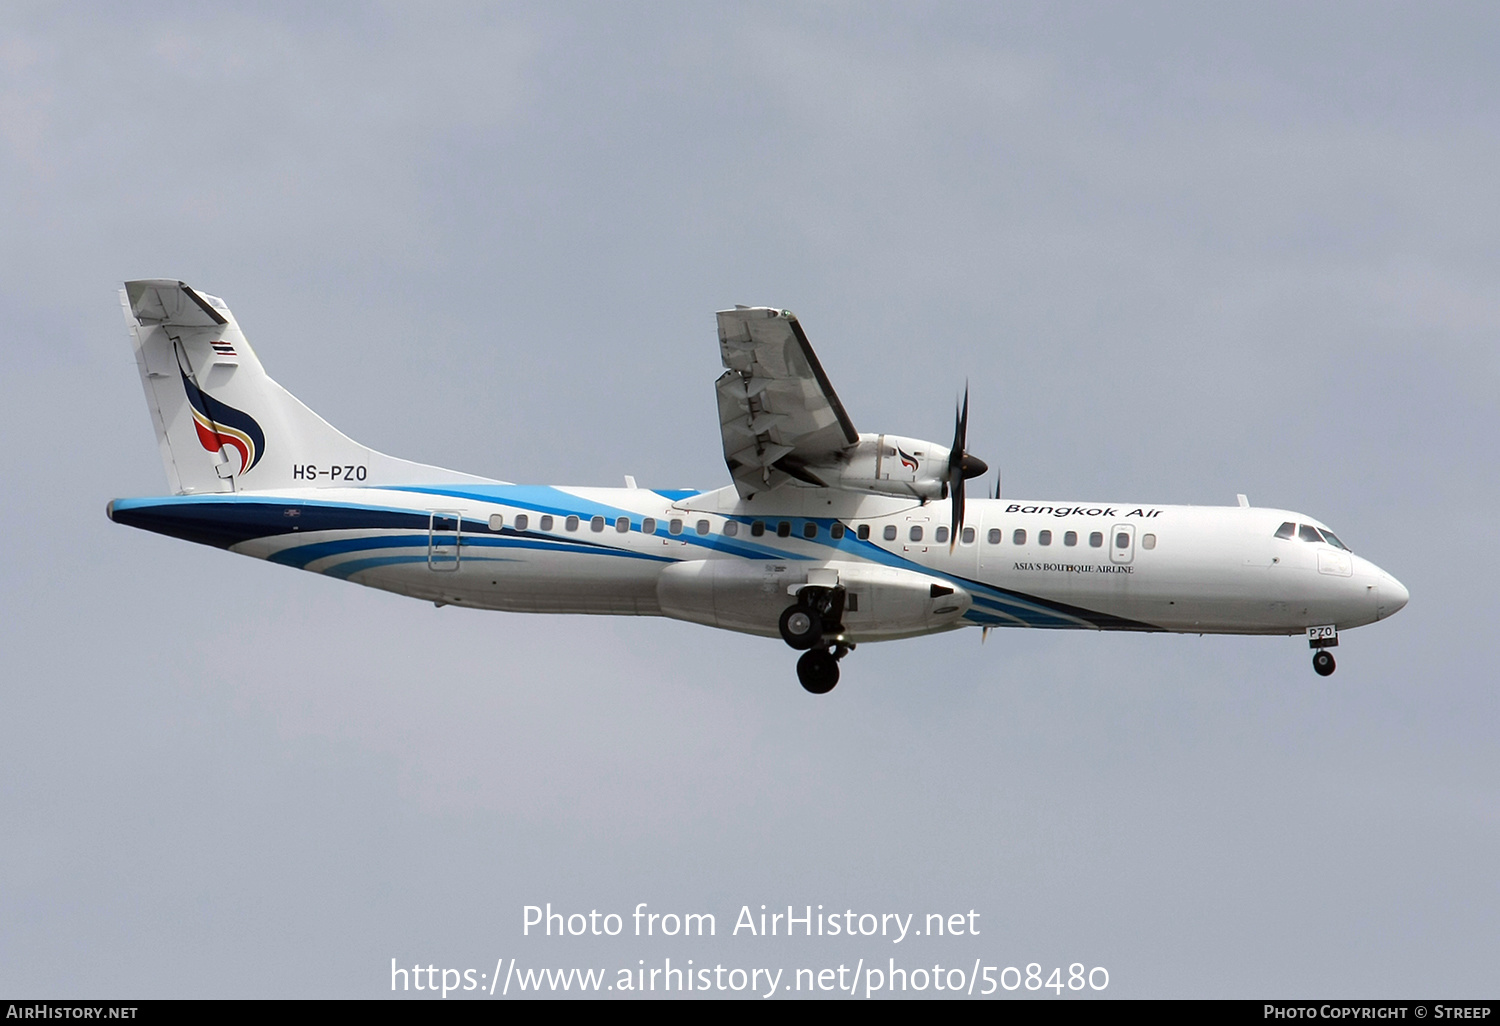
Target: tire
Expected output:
[800,627]
[818,671]
[1323,663]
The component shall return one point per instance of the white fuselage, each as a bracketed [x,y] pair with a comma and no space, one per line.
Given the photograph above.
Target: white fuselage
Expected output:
[721,560]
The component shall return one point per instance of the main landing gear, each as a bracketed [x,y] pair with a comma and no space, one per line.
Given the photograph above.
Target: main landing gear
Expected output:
[812,625]
[1320,640]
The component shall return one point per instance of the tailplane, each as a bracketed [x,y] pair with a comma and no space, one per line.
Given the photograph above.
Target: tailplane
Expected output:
[221,423]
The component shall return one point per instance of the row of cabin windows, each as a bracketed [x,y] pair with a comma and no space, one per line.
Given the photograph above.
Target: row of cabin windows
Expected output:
[915,533]
[546,522]
[1309,533]
[650,525]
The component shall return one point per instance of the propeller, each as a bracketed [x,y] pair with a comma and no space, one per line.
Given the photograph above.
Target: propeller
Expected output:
[961,467]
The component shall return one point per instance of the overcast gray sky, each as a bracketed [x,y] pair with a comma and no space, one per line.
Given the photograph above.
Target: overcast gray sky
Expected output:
[1177,251]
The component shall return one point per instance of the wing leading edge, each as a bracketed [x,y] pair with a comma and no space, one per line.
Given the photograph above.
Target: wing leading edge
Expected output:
[778,413]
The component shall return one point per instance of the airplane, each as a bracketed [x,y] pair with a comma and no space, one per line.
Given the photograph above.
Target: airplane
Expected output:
[826,537]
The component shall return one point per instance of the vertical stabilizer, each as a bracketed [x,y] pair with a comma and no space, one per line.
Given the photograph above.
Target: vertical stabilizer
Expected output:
[221,423]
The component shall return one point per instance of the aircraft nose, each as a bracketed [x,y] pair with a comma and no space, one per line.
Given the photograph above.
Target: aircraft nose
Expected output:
[1392,596]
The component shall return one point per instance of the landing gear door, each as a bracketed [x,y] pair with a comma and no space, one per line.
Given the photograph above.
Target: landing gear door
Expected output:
[1122,543]
[443,540]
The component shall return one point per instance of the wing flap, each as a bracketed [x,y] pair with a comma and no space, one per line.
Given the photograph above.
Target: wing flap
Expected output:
[775,394]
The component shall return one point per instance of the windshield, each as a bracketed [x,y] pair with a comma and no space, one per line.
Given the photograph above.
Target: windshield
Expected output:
[1333,539]
[1309,533]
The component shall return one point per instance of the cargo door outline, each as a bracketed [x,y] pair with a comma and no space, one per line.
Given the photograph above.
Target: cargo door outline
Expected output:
[444,537]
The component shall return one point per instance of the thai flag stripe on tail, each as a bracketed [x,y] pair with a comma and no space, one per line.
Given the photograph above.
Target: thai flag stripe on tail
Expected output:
[223,348]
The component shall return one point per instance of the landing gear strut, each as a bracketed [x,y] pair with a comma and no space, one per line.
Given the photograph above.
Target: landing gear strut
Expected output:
[1321,639]
[813,624]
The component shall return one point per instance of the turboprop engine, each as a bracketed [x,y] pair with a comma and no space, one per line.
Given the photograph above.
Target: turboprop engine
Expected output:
[893,465]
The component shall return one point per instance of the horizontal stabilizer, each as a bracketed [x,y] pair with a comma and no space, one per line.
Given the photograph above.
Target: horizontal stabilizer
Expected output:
[163,301]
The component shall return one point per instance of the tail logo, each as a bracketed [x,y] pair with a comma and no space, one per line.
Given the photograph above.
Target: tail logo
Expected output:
[220,424]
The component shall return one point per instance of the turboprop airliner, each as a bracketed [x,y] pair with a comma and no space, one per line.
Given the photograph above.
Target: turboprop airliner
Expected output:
[826,537]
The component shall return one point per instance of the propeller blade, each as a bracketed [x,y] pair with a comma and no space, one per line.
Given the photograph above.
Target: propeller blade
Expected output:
[958,513]
[958,468]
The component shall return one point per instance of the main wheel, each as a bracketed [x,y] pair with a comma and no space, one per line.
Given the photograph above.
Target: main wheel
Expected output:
[801,627]
[818,671]
[1323,662]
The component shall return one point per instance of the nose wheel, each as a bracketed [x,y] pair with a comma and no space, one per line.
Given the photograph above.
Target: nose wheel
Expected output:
[1320,640]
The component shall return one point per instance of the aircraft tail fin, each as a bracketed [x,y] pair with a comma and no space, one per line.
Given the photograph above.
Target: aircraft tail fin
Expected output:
[222,424]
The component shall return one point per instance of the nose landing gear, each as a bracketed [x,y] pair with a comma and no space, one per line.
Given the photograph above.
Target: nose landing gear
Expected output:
[812,625]
[1320,640]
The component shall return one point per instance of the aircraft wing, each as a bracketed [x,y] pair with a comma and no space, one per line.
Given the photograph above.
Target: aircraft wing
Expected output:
[779,415]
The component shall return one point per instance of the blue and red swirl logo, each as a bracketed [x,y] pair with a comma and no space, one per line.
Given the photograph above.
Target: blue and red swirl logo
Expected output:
[220,424]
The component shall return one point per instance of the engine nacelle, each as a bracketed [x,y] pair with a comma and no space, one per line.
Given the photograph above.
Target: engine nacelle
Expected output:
[893,465]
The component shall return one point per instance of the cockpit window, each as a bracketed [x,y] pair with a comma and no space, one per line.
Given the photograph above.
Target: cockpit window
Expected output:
[1309,533]
[1333,540]
[1286,530]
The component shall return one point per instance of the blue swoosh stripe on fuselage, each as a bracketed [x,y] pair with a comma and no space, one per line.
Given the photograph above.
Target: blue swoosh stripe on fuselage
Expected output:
[238,519]
[1012,605]
[300,556]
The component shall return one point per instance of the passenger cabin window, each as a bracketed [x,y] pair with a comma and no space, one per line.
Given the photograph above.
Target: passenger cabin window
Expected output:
[731,528]
[940,535]
[863,532]
[1286,530]
[596,524]
[496,521]
[836,531]
[571,523]
[1122,540]
[622,524]
[648,526]
[1070,538]
[968,536]
[994,536]
[1020,536]
[784,529]
[701,527]
[810,529]
[521,521]
[545,523]
[757,528]
[1309,533]
[1044,537]
[1096,539]
[675,526]
[915,534]
[1148,541]
[889,534]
